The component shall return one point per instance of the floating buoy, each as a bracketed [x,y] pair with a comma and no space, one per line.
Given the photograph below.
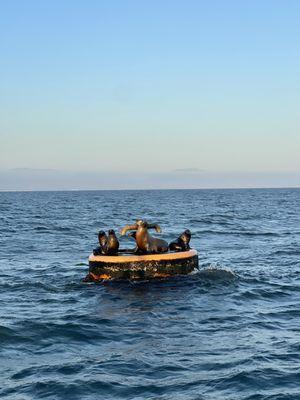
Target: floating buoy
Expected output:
[136,267]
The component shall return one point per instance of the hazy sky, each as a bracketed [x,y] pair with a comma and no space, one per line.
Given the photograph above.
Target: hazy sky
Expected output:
[152,86]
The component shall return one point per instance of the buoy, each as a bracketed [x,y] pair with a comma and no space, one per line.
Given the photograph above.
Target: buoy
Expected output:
[141,267]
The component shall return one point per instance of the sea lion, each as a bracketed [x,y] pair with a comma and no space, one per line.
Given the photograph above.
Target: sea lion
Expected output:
[102,249]
[146,244]
[182,243]
[136,250]
[112,243]
[132,234]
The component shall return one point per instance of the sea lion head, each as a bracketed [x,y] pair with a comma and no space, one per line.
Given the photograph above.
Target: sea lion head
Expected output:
[142,223]
[111,232]
[101,234]
[186,236]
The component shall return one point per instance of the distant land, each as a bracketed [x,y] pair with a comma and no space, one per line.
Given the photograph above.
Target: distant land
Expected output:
[20,179]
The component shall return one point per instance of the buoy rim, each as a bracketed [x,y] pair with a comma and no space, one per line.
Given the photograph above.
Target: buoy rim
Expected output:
[148,257]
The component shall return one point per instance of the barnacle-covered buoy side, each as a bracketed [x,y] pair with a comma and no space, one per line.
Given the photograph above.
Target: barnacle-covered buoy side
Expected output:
[136,267]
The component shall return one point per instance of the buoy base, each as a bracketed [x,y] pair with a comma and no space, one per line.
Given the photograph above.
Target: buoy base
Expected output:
[136,267]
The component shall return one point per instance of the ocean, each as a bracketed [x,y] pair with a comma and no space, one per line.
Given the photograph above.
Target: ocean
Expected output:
[229,331]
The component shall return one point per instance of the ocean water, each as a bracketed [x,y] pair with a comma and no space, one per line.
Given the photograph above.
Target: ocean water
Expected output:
[229,331]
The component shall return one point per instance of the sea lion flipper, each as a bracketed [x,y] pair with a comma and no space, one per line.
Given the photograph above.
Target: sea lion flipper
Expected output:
[158,229]
[128,228]
[155,226]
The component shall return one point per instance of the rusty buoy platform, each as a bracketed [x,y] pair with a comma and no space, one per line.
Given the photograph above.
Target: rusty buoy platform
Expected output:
[140,267]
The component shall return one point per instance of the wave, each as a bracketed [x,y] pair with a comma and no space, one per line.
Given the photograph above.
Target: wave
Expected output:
[41,228]
[52,229]
[217,273]
[10,335]
[286,253]
[239,233]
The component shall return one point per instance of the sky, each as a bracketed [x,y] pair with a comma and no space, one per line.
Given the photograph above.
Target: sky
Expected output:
[136,94]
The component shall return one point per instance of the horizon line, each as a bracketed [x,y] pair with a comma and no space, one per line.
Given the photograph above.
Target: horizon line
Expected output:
[152,189]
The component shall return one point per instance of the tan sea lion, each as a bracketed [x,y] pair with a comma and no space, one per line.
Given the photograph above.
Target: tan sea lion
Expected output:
[146,244]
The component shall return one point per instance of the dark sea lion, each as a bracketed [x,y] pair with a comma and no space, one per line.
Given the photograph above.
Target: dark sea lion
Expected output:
[97,251]
[112,243]
[182,243]
[102,238]
[102,249]
[133,235]
[146,243]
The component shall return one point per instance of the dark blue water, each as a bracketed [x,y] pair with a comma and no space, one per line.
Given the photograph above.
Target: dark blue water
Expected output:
[230,331]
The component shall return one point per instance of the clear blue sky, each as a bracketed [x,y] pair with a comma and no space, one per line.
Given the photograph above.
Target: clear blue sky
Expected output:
[154,86]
